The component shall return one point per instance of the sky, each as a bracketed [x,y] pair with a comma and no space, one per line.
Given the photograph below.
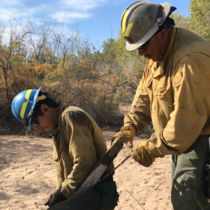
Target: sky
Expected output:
[95,20]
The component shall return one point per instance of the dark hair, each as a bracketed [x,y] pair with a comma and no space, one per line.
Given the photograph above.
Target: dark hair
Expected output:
[166,24]
[169,22]
[48,101]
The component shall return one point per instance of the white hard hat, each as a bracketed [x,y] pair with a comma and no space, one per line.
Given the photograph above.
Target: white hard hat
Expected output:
[140,21]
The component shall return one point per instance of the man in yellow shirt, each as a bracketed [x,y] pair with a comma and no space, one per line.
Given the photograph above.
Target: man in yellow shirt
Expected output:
[173,94]
[78,145]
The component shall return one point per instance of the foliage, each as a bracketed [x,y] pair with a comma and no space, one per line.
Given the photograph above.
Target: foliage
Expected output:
[200,17]
[41,70]
[85,82]
[180,21]
[74,71]
[131,66]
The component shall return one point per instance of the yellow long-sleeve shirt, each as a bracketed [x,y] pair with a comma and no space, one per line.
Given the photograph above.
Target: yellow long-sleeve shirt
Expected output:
[175,95]
[78,145]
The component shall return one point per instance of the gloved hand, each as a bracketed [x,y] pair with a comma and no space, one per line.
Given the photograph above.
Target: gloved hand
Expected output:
[145,153]
[126,135]
[56,197]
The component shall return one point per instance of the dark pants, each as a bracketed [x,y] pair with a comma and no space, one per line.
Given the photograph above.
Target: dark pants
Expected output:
[103,196]
[89,200]
[188,177]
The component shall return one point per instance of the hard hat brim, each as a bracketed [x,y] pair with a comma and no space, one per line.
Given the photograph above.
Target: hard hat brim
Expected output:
[166,9]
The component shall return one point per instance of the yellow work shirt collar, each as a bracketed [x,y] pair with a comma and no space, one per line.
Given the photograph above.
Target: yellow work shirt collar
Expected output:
[159,69]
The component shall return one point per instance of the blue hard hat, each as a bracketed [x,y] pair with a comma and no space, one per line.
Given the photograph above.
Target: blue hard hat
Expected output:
[23,103]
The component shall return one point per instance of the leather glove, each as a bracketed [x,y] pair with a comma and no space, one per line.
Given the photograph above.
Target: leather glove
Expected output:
[145,153]
[126,135]
[56,197]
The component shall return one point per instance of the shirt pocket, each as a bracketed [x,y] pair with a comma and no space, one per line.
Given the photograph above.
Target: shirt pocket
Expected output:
[163,100]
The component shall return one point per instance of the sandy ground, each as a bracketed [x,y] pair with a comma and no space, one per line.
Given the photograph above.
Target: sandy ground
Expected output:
[27,176]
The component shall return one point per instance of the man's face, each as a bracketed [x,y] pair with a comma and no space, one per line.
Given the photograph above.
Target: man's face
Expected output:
[47,121]
[156,48]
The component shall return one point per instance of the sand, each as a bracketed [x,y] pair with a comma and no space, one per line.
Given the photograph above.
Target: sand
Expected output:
[28,176]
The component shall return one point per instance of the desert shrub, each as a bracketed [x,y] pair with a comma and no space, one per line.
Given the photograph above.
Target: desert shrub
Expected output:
[100,102]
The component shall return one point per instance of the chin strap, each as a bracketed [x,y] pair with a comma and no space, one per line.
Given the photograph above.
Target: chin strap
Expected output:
[159,17]
[29,117]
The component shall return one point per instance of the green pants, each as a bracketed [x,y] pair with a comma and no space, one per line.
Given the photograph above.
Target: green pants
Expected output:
[188,177]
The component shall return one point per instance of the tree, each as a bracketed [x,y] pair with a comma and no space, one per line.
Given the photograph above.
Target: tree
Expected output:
[11,53]
[181,21]
[130,69]
[200,17]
